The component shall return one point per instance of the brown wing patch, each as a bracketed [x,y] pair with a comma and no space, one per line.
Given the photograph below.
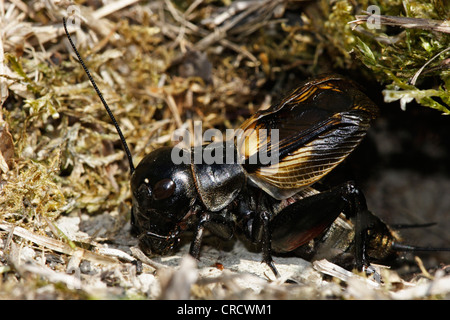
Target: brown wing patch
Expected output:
[305,136]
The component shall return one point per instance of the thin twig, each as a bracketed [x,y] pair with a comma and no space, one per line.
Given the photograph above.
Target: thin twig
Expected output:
[138,254]
[112,7]
[405,22]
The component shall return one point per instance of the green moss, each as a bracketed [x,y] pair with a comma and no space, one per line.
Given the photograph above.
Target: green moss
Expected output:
[396,54]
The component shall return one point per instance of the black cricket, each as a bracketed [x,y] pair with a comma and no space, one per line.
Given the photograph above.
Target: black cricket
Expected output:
[271,204]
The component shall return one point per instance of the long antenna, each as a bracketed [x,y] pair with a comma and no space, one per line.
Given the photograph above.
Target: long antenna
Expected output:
[113,119]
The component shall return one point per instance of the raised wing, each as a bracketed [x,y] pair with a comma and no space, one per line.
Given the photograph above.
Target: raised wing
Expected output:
[296,142]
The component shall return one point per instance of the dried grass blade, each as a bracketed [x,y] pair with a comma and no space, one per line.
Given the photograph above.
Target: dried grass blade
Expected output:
[408,23]
[55,245]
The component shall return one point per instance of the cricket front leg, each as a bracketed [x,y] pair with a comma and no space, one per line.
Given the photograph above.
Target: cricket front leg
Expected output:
[214,223]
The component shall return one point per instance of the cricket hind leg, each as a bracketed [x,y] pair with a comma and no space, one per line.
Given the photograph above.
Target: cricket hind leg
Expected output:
[307,218]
